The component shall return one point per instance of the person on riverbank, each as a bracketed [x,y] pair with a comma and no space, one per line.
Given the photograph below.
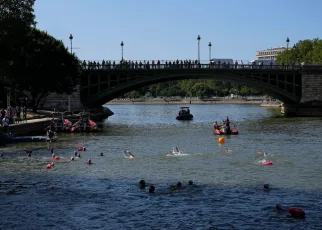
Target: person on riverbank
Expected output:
[18,114]
[2,114]
[5,123]
[24,113]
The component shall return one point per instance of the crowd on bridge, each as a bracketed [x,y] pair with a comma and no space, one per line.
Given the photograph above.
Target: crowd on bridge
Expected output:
[180,64]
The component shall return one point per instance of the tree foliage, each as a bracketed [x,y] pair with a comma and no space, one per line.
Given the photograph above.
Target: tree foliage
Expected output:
[17,11]
[44,66]
[194,88]
[307,51]
[31,60]
[16,19]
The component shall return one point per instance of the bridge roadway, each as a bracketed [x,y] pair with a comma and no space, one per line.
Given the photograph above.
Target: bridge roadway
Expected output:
[292,84]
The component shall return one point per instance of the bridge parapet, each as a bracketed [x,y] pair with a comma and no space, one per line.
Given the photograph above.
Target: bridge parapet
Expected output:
[148,66]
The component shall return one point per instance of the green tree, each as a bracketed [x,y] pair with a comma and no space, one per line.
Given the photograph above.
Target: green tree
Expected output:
[307,51]
[16,19]
[44,66]
[132,94]
[245,91]
[202,90]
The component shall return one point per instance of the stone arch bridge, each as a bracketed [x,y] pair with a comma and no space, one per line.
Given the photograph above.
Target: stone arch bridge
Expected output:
[298,87]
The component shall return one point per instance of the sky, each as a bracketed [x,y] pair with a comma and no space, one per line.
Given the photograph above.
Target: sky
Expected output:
[168,29]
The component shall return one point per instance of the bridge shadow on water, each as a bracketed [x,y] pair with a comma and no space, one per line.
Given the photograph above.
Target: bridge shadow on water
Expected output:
[53,201]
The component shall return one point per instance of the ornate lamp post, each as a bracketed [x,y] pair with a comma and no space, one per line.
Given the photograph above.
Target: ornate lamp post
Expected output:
[71,51]
[287,42]
[293,55]
[71,43]
[209,45]
[122,44]
[198,38]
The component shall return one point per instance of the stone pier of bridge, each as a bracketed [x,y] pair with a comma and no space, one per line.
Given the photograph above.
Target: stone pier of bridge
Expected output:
[310,104]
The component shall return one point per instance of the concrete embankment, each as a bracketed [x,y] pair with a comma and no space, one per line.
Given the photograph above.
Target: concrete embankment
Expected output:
[181,102]
[270,105]
[33,126]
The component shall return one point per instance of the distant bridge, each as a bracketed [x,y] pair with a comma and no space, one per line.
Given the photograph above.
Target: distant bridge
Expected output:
[296,86]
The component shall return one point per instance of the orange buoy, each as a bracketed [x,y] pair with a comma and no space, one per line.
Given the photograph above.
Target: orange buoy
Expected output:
[28,151]
[296,212]
[48,166]
[80,148]
[221,140]
[57,158]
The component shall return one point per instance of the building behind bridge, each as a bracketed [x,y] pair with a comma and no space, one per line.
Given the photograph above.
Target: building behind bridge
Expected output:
[269,54]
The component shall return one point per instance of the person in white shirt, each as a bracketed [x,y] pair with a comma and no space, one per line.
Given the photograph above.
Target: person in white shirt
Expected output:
[5,123]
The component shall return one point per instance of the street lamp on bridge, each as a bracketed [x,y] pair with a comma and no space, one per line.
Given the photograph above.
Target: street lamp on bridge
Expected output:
[209,45]
[287,42]
[122,44]
[71,43]
[71,51]
[198,38]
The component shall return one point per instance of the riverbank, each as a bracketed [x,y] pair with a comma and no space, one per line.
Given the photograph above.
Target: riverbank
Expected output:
[36,122]
[166,101]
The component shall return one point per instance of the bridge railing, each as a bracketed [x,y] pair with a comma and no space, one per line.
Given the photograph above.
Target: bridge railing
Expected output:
[167,65]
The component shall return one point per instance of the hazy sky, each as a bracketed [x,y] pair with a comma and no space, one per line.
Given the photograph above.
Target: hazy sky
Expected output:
[167,30]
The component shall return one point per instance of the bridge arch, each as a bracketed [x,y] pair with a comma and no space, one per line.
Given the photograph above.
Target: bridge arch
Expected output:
[258,81]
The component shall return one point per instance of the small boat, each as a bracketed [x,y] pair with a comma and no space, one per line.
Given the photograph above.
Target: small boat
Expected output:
[184,114]
[85,124]
[225,131]
[221,130]
[60,123]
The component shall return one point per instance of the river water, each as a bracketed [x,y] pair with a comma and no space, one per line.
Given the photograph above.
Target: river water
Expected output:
[228,179]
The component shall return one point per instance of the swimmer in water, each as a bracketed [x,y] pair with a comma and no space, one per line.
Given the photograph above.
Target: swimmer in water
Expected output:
[151,189]
[131,155]
[266,187]
[142,184]
[228,151]
[294,212]
[178,186]
[101,154]
[260,153]
[89,161]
